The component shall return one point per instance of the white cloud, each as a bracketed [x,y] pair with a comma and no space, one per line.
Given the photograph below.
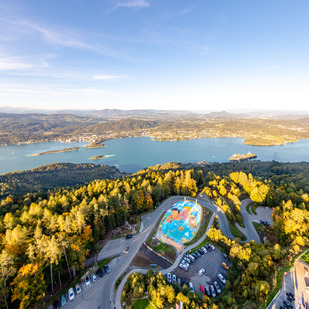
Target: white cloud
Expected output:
[15,63]
[107,77]
[132,4]
[179,13]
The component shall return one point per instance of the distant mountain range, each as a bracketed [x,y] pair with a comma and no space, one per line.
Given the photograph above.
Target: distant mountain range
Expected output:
[112,114]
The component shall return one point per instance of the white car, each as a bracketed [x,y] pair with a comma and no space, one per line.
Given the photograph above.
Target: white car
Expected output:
[183,267]
[212,246]
[77,288]
[222,279]
[87,280]
[71,294]
[187,260]
[217,287]
[191,257]
[94,278]
[191,286]
[169,278]
[204,249]
[201,271]
[185,263]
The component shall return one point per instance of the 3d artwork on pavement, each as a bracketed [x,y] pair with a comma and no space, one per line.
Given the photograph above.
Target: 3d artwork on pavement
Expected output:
[180,224]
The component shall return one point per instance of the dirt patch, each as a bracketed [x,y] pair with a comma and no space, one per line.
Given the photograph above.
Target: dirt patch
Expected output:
[145,257]
[155,242]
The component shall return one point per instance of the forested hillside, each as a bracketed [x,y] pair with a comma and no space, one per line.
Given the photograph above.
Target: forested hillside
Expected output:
[43,237]
[56,175]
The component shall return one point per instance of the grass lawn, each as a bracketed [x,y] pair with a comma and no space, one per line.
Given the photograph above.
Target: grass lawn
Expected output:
[142,304]
[305,257]
[104,262]
[235,231]
[253,209]
[248,209]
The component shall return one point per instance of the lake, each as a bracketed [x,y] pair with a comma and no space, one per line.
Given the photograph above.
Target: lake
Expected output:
[135,153]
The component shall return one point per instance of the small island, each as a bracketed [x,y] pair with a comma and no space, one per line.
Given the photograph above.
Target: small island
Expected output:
[97,157]
[242,157]
[56,151]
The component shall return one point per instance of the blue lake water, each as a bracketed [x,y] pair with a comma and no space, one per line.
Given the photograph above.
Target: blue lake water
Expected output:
[135,153]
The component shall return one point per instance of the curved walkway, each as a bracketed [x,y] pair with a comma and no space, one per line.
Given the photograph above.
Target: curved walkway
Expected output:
[223,224]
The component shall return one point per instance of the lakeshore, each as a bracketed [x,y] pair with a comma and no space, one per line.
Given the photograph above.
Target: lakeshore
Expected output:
[135,153]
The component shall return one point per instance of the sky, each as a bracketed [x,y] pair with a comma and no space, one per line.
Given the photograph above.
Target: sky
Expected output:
[155,54]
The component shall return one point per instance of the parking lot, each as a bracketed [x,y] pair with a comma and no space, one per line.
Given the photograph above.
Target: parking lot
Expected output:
[295,282]
[211,262]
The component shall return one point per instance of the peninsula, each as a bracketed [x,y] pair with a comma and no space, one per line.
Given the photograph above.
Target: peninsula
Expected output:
[55,151]
[95,145]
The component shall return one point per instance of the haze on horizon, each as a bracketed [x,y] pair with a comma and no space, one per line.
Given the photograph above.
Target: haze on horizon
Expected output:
[147,54]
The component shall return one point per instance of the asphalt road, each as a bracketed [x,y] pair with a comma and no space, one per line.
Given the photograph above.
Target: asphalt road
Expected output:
[101,294]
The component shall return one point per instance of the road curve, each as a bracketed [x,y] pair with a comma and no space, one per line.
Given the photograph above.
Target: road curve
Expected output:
[250,229]
[102,293]
[223,224]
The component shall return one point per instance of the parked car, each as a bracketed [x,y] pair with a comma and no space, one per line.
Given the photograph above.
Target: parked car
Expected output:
[57,304]
[201,251]
[204,249]
[174,279]
[225,266]
[179,281]
[207,291]
[187,260]
[202,290]
[129,236]
[217,287]
[197,253]
[71,294]
[106,268]
[94,278]
[169,277]
[87,280]
[194,255]
[183,266]
[222,279]
[212,247]
[63,300]
[191,286]
[201,272]
[225,256]
[77,288]
[213,292]
[100,272]
[191,257]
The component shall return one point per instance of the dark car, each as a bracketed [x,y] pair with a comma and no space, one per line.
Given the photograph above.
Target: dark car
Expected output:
[100,272]
[106,268]
[56,304]
[207,291]
[194,255]
[201,251]
[129,236]
[225,256]
[197,253]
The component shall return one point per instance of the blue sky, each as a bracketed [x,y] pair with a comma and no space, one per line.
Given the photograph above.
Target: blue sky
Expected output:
[140,54]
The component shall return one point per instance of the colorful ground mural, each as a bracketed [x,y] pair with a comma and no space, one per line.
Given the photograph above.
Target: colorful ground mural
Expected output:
[180,224]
